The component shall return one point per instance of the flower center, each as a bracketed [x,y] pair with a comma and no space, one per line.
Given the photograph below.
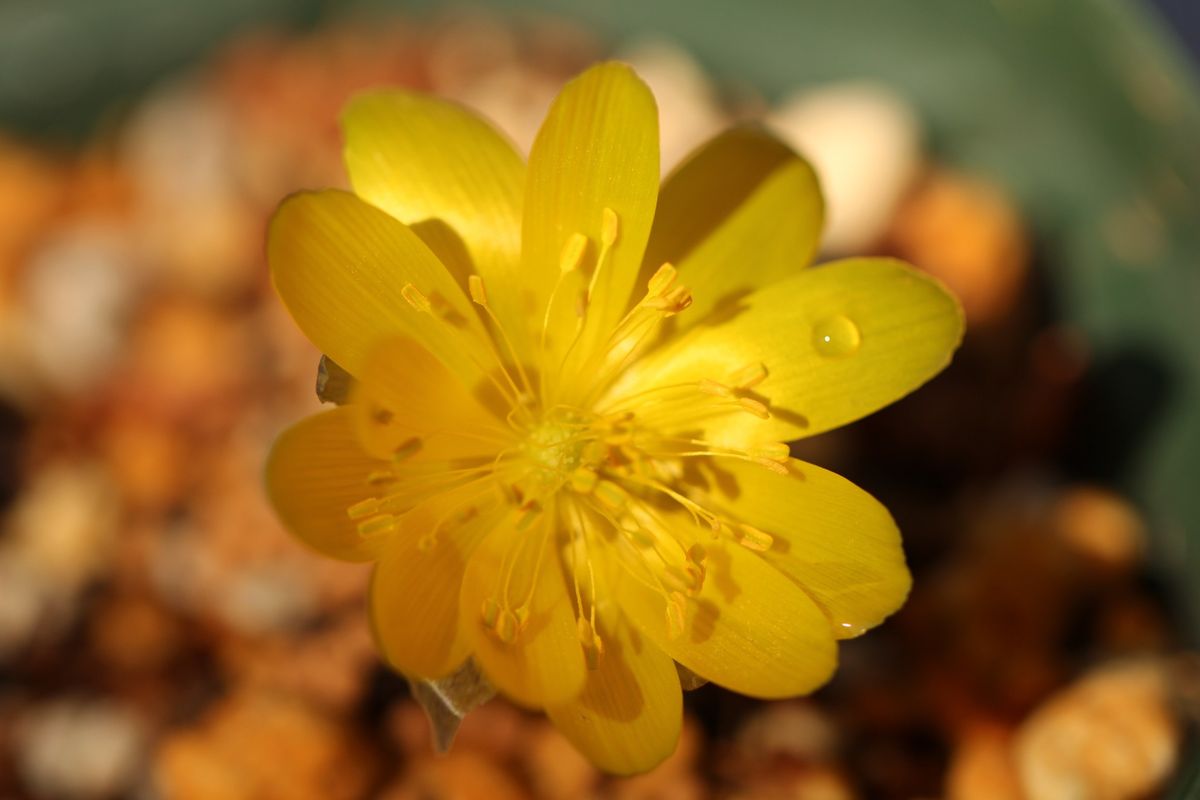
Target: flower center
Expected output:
[557,447]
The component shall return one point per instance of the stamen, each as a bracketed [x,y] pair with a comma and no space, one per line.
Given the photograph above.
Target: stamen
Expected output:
[363,508]
[477,290]
[377,526]
[749,376]
[593,646]
[715,389]
[572,254]
[752,538]
[407,449]
[676,614]
[610,227]
[415,299]
[772,451]
[662,280]
[754,407]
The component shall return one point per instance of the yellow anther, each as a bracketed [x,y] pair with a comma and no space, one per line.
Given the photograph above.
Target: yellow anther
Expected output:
[754,407]
[636,533]
[381,477]
[610,227]
[592,644]
[415,299]
[572,253]
[611,494]
[363,508]
[712,387]
[680,299]
[676,615]
[477,289]
[584,480]
[774,466]
[529,512]
[507,626]
[752,538]
[377,525]
[489,612]
[749,376]
[662,280]
[406,449]
[696,553]
[772,451]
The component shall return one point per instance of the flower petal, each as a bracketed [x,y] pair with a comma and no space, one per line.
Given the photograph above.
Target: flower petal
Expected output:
[405,396]
[740,213]
[422,159]
[351,275]
[835,540]
[595,157]
[416,584]
[628,717]
[316,470]
[837,341]
[543,663]
[749,629]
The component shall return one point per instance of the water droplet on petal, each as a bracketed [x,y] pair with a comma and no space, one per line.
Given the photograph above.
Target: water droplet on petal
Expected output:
[850,630]
[836,337]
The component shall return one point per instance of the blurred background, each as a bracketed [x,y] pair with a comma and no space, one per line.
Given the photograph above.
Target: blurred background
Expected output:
[162,637]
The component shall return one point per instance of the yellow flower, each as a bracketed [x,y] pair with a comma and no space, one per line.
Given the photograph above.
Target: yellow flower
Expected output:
[565,450]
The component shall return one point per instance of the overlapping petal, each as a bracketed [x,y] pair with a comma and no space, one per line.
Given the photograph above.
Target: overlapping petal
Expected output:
[749,629]
[415,586]
[593,172]
[628,716]
[315,471]
[741,213]
[837,342]
[832,538]
[542,665]
[352,275]
[447,172]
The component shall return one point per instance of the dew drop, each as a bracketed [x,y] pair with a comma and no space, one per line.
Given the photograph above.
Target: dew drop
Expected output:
[836,337]
[850,630]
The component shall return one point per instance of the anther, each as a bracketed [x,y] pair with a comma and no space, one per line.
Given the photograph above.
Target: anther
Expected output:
[752,538]
[572,253]
[611,494]
[774,466]
[489,612]
[610,227]
[676,614]
[709,386]
[662,280]
[529,512]
[507,626]
[584,480]
[377,525]
[478,290]
[406,449]
[363,508]
[754,407]
[772,451]
[415,299]
[749,376]
[593,645]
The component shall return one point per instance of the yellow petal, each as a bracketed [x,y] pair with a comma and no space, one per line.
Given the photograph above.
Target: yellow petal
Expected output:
[741,213]
[425,159]
[316,471]
[835,540]
[351,275]
[837,341]
[406,398]
[416,584]
[628,716]
[749,629]
[517,573]
[593,172]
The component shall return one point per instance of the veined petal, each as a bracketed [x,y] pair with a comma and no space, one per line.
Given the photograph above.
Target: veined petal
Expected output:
[315,472]
[593,173]
[837,342]
[628,717]
[405,397]
[421,158]
[538,661]
[832,538]
[352,275]
[741,213]
[749,629]
[416,584]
